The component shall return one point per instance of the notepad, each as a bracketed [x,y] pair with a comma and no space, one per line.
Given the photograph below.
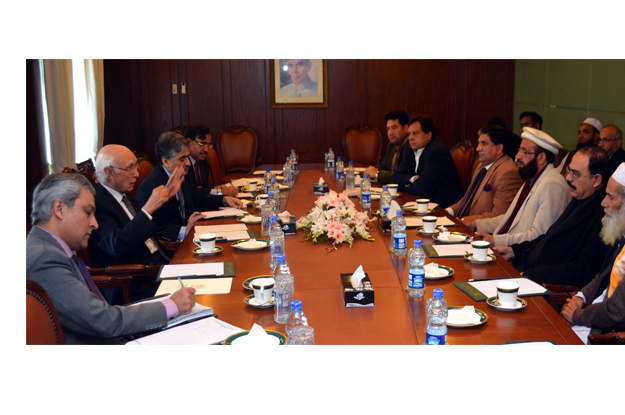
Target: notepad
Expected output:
[203,286]
[482,290]
[451,250]
[206,331]
[413,222]
[204,270]
[223,213]
[233,232]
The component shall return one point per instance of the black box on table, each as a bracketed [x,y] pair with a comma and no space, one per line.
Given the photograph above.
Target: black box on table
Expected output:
[320,189]
[357,297]
[288,225]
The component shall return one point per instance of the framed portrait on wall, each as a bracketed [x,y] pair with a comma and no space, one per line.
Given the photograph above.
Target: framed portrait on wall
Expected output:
[299,83]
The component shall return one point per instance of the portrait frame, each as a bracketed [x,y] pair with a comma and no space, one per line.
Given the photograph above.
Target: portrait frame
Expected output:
[283,91]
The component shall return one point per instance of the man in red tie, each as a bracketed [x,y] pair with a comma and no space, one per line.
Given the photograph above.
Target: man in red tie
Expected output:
[496,179]
[538,203]
[63,218]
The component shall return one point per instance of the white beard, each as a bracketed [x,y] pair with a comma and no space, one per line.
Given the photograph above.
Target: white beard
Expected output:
[613,227]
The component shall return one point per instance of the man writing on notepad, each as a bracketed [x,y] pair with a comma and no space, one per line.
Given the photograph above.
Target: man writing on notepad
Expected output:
[63,220]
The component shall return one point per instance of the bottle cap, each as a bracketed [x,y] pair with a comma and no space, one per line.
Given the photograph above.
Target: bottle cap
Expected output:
[330,148]
[268,169]
[418,242]
[292,150]
[280,258]
[351,162]
[385,187]
[274,218]
[288,158]
[274,179]
[399,213]
[438,293]
[338,158]
[296,305]
[270,194]
[366,176]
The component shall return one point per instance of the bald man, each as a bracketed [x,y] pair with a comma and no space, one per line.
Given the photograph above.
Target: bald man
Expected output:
[127,234]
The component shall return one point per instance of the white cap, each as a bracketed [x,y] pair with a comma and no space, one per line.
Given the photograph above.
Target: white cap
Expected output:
[594,122]
[619,174]
[541,139]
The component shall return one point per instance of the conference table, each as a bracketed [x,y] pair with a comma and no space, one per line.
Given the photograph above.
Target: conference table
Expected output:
[395,318]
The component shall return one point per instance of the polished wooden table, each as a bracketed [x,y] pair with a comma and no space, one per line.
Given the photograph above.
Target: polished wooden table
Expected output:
[396,318]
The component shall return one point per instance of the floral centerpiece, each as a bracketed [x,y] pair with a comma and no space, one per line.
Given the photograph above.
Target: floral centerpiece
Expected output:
[334,220]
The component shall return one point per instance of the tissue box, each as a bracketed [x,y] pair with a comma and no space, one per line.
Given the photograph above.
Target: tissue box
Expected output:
[288,225]
[385,222]
[361,297]
[319,190]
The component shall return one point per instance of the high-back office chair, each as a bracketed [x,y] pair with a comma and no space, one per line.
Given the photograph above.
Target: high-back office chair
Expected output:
[362,145]
[463,154]
[145,165]
[237,147]
[42,322]
[215,178]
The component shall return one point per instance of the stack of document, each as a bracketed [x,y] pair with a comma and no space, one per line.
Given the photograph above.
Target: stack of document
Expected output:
[206,278]
[232,232]
[206,331]
[223,213]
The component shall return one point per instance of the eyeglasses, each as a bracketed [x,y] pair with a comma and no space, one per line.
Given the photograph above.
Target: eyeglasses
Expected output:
[128,169]
[525,152]
[606,140]
[201,143]
[576,175]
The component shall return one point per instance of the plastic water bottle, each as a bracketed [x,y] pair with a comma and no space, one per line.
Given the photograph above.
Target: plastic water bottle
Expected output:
[276,242]
[268,177]
[284,292]
[325,163]
[385,200]
[331,161]
[340,171]
[287,173]
[275,189]
[416,273]
[296,318]
[350,176]
[436,330]
[365,193]
[294,160]
[399,234]
[267,211]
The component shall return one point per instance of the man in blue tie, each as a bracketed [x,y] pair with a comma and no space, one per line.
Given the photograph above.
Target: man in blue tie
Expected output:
[63,218]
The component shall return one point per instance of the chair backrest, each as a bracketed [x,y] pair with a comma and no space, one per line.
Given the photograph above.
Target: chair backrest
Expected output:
[215,178]
[463,154]
[362,145]
[237,147]
[145,167]
[613,337]
[42,322]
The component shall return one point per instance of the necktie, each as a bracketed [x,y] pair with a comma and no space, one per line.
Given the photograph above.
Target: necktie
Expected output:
[87,276]
[616,276]
[468,199]
[198,179]
[181,202]
[132,210]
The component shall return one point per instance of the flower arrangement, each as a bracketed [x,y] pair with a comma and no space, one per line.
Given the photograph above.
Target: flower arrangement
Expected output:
[334,220]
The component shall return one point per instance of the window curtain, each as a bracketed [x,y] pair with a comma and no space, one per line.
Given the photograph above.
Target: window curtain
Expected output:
[94,77]
[60,108]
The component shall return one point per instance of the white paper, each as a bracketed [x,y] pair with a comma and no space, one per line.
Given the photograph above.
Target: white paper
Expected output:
[413,221]
[526,286]
[455,250]
[244,194]
[357,277]
[274,172]
[206,331]
[203,286]
[413,205]
[242,182]
[209,268]
[223,213]
[392,211]
[234,232]
[257,336]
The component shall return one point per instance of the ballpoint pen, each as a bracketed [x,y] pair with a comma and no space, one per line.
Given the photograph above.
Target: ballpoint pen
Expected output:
[180,281]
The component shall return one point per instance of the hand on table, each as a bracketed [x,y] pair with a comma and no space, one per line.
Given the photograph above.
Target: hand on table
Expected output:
[486,237]
[233,202]
[192,219]
[371,171]
[572,304]
[227,190]
[468,223]
[505,251]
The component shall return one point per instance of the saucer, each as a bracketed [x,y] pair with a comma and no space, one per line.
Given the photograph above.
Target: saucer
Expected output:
[450,272]
[281,337]
[241,219]
[494,302]
[489,258]
[462,237]
[247,283]
[416,212]
[198,251]
[423,232]
[251,301]
[237,245]
[483,318]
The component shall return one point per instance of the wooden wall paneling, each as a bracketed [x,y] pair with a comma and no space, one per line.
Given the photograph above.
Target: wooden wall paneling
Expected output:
[226,93]
[174,79]
[205,93]
[181,65]
[461,130]
[156,98]
[35,152]
[273,118]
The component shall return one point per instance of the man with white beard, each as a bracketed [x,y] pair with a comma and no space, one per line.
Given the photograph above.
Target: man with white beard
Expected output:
[600,305]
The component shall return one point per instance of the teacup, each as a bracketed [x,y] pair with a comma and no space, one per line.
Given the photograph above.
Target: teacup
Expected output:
[480,249]
[507,292]
[392,188]
[261,199]
[252,185]
[429,223]
[422,205]
[263,290]
[207,242]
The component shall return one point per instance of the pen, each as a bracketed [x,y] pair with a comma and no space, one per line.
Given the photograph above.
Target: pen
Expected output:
[180,281]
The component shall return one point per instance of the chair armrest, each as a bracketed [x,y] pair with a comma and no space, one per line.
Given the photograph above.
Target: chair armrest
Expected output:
[109,281]
[561,293]
[169,245]
[609,338]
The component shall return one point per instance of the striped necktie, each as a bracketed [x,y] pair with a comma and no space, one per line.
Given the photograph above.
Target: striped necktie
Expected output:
[468,199]
[87,276]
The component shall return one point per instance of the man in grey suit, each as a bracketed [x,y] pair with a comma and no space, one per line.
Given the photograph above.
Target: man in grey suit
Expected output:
[63,218]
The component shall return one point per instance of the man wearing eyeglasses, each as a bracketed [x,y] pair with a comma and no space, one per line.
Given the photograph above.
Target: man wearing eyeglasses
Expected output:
[611,140]
[538,203]
[571,252]
[127,234]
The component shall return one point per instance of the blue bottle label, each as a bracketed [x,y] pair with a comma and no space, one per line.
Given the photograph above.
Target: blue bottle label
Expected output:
[416,280]
[294,166]
[366,197]
[400,242]
[432,339]
[339,175]
[385,209]
[331,164]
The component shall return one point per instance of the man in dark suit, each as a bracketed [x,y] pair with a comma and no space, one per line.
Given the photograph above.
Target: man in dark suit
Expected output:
[63,220]
[571,252]
[428,170]
[611,140]
[397,131]
[172,151]
[127,234]
[600,305]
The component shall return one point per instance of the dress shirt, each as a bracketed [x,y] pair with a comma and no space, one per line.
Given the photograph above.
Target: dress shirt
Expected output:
[118,196]
[183,229]
[417,156]
[170,307]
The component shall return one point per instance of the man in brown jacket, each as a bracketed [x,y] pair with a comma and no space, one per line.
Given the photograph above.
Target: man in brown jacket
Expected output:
[496,179]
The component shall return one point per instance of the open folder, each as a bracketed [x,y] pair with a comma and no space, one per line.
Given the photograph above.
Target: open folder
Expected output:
[208,270]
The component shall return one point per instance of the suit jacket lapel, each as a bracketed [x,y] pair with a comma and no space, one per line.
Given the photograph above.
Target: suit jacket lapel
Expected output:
[118,210]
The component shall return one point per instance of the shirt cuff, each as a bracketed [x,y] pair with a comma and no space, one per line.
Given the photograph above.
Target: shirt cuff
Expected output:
[581,295]
[146,214]
[413,178]
[181,234]
[214,191]
[450,211]
[170,308]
